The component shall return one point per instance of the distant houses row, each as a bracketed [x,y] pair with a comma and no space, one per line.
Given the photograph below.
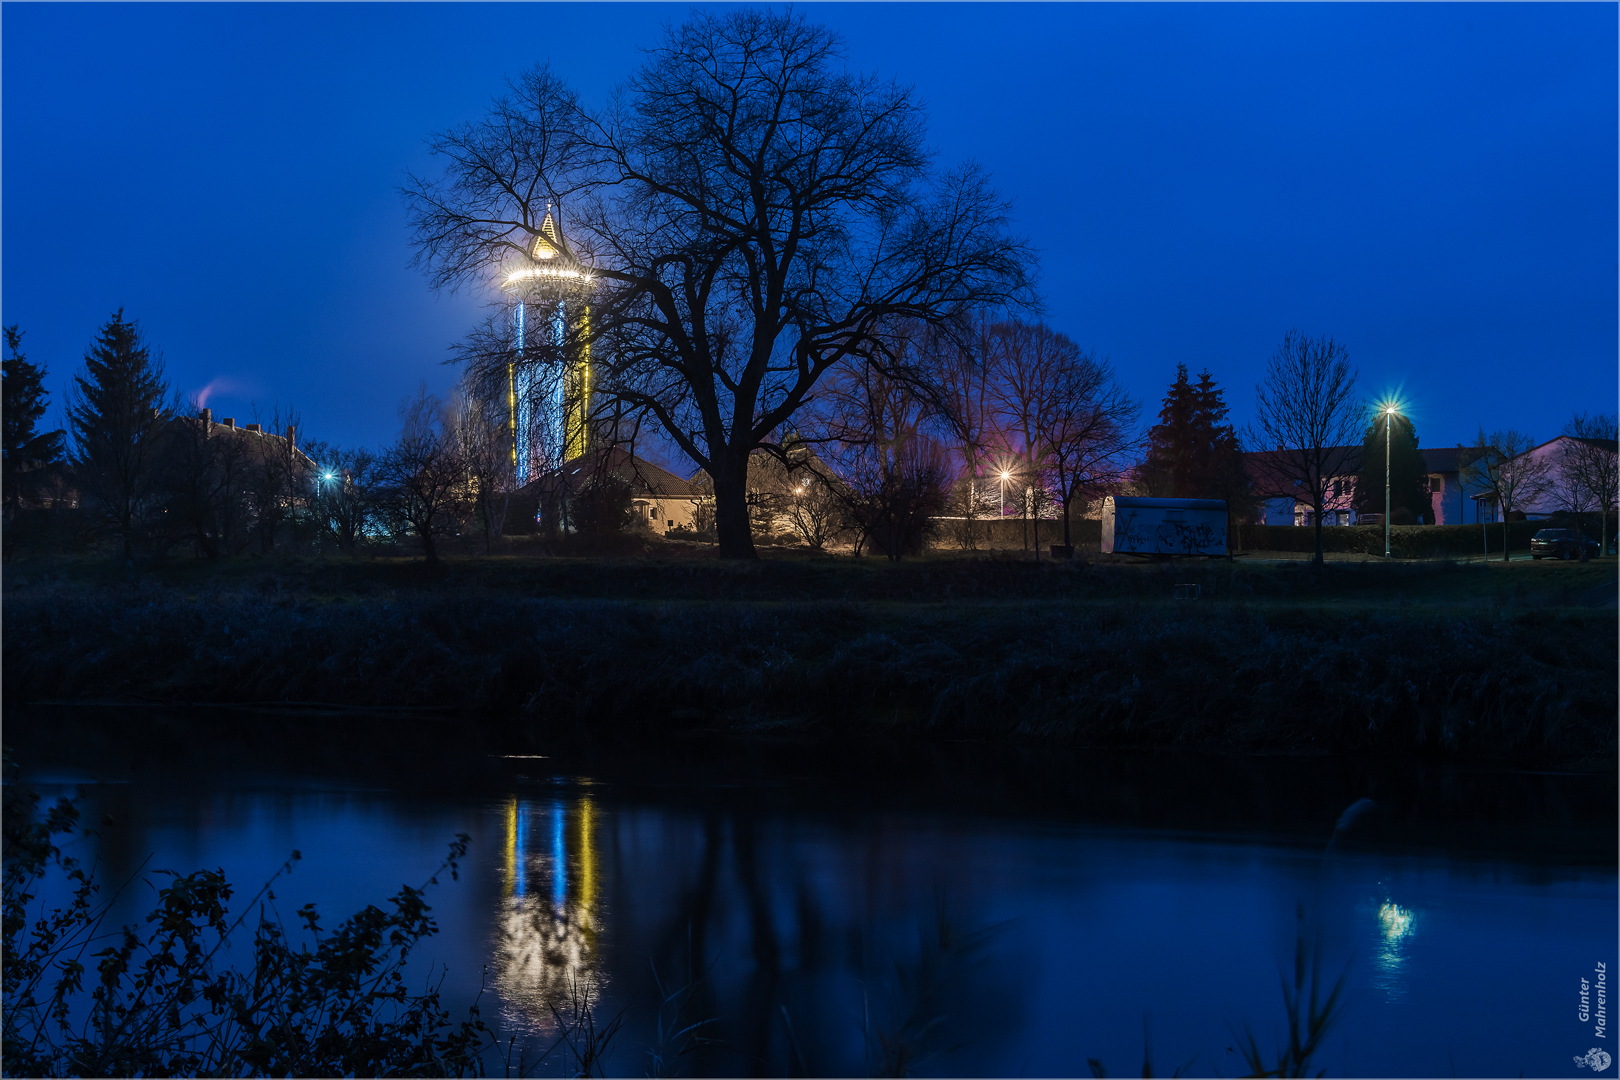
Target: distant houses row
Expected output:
[663,501]
[1451,500]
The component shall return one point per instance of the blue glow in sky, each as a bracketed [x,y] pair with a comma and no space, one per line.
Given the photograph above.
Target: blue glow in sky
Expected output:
[1433,185]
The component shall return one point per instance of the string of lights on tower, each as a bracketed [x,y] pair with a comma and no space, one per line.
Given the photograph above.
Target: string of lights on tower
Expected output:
[551,288]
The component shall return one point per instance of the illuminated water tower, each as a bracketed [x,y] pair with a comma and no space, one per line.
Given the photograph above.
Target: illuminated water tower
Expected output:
[551,325]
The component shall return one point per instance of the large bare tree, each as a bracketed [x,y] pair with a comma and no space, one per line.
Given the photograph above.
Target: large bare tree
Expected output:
[752,214]
[1307,408]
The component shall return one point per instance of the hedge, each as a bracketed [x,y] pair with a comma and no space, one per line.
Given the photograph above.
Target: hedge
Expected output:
[1405,541]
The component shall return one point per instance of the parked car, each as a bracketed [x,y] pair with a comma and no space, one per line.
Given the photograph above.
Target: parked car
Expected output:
[1560,544]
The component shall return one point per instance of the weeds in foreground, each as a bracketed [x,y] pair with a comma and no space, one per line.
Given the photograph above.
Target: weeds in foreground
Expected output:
[1309,1015]
[162,1002]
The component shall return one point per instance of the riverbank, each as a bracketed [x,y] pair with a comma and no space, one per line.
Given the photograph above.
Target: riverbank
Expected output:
[1506,663]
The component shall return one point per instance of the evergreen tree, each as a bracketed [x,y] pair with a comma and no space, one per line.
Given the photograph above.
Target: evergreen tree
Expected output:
[1409,497]
[1192,452]
[29,457]
[117,417]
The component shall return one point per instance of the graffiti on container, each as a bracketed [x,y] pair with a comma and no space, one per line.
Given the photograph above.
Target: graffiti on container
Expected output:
[1128,536]
[1184,537]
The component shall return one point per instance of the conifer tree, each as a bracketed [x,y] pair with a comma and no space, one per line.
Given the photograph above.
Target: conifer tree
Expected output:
[116,415]
[1192,452]
[1409,497]
[29,456]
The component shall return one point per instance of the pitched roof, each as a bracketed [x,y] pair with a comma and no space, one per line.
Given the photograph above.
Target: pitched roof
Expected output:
[1441,459]
[645,479]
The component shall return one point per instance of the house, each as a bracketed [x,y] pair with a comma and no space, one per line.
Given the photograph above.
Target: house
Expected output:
[1282,501]
[1449,502]
[658,498]
[1545,489]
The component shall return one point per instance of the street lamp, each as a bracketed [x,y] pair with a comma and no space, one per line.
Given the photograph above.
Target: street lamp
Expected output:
[1004,475]
[1389,419]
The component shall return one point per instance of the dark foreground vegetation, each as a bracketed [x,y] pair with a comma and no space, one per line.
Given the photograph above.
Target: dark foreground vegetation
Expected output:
[1485,661]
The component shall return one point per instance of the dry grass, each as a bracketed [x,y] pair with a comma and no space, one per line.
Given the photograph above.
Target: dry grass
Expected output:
[1390,659]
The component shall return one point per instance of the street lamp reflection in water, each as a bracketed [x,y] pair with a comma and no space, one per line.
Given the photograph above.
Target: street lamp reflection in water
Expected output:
[1396,926]
[548,928]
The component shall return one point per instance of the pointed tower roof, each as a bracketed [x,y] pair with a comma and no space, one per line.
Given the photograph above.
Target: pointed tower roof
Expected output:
[550,259]
[549,242]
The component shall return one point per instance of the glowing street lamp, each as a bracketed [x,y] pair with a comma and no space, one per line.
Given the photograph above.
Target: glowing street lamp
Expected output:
[1389,420]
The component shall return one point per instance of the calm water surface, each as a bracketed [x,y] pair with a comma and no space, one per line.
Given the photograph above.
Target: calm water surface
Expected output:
[1040,908]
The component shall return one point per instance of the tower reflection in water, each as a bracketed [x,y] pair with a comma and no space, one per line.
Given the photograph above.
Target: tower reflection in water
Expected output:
[546,950]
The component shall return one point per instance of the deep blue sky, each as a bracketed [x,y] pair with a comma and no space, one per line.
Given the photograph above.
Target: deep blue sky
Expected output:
[1434,185]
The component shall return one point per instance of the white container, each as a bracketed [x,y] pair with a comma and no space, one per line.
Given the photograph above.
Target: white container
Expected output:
[1164,526]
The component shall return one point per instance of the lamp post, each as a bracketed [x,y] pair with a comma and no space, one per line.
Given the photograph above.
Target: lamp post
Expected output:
[1003,512]
[1389,419]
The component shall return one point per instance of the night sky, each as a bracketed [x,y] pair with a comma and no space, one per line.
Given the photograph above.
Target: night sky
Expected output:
[1433,185]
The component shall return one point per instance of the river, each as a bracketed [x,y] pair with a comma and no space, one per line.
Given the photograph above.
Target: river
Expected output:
[981,910]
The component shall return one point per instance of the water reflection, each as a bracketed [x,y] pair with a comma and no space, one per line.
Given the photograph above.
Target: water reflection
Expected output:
[548,927]
[1396,926]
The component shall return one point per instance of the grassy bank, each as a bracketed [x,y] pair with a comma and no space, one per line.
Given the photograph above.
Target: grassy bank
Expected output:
[1476,662]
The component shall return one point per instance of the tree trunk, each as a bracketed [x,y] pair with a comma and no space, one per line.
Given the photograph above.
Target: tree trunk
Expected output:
[1504,537]
[732,528]
[1066,541]
[429,549]
[1319,559]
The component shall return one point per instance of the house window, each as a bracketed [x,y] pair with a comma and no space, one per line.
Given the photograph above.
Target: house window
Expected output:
[1337,488]
[1437,483]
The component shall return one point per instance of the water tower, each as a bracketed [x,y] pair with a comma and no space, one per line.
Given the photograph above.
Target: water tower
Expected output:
[551,324]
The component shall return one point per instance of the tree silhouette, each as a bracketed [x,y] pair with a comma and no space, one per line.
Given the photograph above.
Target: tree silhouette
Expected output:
[116,414]
[1408,472]
[30,456]
[1307,408]
[752,214]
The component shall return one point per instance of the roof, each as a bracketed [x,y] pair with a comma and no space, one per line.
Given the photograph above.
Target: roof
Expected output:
[766,473]
[217,429]
[645,479]
[1441,459]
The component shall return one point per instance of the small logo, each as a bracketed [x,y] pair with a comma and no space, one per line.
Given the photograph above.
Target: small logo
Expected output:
[1594,1059]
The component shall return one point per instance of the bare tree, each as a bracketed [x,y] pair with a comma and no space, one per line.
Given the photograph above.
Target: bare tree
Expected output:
[279,482]
[1502,466]
[425,480]
[1307,408]
[484,444]
[1589,469]
[752,215]
[1088,432]
[1028,359]
[1070,421]
[199,480]
[963,369]
[881,458]
[346,493]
